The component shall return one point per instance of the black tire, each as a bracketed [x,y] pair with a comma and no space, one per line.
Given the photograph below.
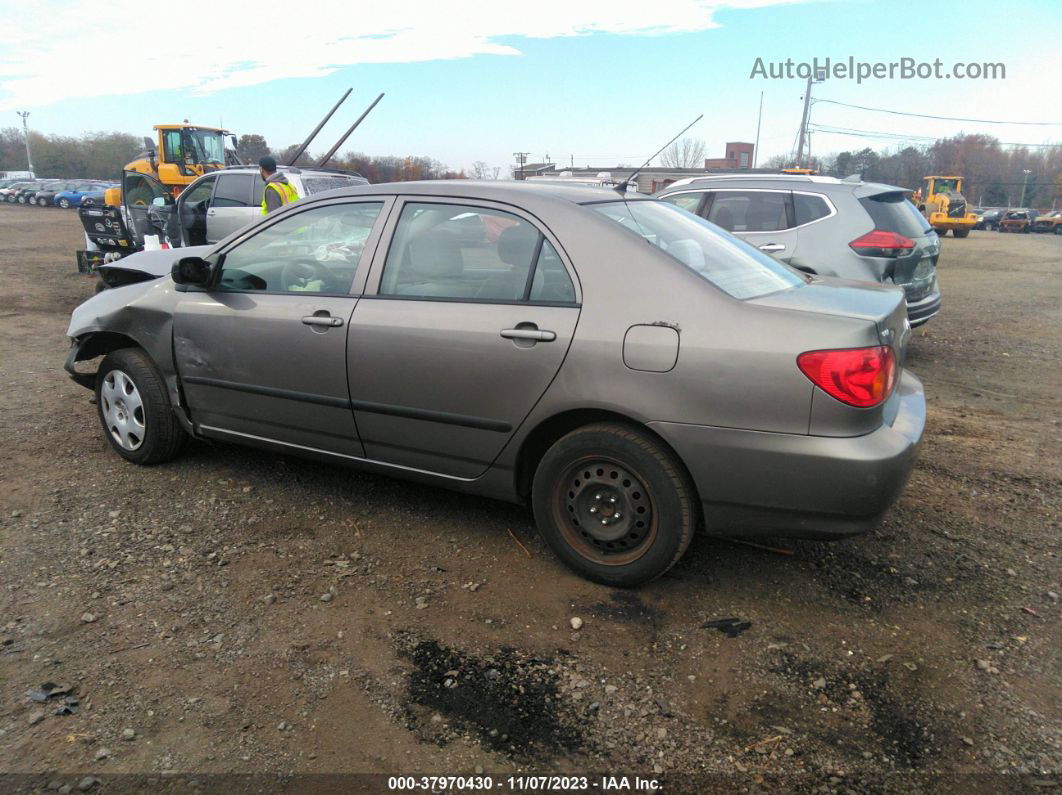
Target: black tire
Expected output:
[42,202]
[641,493]
[157,434]
[961,233]
[942,233]
[64,203]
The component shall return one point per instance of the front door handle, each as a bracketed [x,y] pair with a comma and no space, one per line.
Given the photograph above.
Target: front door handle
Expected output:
[770,248]
[322,320]
[211,213]
[531,334]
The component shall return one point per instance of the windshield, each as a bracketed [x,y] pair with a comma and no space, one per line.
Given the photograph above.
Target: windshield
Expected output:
[207,146]
[730,264]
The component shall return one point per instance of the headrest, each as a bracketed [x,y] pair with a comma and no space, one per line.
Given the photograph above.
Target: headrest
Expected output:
[435,254]
[516,244]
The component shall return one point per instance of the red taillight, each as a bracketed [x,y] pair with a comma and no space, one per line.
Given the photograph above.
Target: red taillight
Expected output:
[880,243]
[861,377]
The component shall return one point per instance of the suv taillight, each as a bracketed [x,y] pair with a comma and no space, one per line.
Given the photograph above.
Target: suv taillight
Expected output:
[882,243]
[860,377]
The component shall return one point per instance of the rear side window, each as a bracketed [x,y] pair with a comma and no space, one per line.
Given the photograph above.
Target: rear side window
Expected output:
[455,252]
[893,212]
[809,208]
[749,211]
[233,190]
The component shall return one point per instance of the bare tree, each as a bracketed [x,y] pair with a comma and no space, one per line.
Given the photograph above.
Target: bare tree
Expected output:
[685,153]
[480,170]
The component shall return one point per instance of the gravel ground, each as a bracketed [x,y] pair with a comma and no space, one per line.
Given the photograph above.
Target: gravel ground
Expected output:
[240,611]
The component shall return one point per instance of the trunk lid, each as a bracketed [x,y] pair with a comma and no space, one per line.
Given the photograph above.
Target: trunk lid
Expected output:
[883,306]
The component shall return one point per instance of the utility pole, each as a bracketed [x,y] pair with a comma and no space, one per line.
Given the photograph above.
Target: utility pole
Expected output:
[521,158]
[1023,184]
[817,77]
[25,130]
[759,120]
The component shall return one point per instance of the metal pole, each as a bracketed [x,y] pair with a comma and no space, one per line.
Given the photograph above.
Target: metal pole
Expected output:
[759,120]
[346,135]
[317,129]
[1023,184]
[25,130]
[804,124]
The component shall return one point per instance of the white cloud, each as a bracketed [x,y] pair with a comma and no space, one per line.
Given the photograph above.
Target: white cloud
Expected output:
[52,50]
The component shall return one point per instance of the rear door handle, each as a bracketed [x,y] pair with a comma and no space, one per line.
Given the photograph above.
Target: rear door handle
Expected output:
[770,248]
[532,334]
[322,320]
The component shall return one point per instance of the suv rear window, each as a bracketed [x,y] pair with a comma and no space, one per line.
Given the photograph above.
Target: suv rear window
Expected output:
[893,212]
[320,183]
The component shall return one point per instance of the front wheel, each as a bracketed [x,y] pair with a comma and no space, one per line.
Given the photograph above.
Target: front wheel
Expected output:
[614,504]
[64,203]
[134,409]
[961,233]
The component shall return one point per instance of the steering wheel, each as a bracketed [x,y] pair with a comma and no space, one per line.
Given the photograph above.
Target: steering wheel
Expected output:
[306,270]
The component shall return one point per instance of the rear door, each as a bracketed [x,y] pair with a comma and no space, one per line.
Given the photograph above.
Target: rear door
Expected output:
[761,217]
[468,316]
[231,208]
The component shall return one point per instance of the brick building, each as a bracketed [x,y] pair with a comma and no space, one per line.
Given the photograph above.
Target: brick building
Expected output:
[738,155]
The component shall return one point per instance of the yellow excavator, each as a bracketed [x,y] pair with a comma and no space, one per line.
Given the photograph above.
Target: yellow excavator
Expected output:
[181,153]
[941,201]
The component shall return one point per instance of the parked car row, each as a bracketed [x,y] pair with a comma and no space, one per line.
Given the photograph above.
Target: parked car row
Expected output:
[65,193]
[1019,219]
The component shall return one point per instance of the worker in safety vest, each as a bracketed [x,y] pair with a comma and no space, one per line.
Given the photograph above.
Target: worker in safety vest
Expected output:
[278,191]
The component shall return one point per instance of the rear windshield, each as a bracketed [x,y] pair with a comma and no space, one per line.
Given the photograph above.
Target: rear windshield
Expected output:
[730,264]
[894,212]
[322,182]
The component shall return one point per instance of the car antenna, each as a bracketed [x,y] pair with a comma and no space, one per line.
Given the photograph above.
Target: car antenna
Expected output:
[298,152]
[346,135]
[622,187]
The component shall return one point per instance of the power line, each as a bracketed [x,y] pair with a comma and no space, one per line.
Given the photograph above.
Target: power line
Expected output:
[943,118]
[855,133]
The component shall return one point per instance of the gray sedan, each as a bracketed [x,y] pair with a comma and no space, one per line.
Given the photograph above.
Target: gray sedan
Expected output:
[625,367]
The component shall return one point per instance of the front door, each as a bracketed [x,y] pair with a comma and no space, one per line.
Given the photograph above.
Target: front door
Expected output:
[470,322]
[262,352]
[231,209]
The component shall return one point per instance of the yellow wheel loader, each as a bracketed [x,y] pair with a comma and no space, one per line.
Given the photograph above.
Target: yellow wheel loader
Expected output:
[941,201]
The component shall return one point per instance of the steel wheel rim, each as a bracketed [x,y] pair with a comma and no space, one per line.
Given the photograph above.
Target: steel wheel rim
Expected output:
[605,511]
[122,409]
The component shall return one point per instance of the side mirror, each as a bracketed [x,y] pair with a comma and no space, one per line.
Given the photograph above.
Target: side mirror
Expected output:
[191,270]
[161,201]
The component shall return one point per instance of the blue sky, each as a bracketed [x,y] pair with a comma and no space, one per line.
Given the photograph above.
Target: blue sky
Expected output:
[605,82]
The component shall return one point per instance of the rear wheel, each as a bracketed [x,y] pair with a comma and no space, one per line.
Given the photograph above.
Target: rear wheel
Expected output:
[42,202]
[962,232]
[64,203]
[942,233]
[614,504]
[134,409]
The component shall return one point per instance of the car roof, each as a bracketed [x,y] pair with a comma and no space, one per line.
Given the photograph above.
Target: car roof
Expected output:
[505,191]
[786,182]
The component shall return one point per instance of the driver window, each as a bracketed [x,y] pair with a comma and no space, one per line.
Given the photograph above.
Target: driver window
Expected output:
[316,251]
[201,192]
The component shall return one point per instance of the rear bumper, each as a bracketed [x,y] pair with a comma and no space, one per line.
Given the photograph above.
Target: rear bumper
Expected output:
[918,312]
[754,483]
